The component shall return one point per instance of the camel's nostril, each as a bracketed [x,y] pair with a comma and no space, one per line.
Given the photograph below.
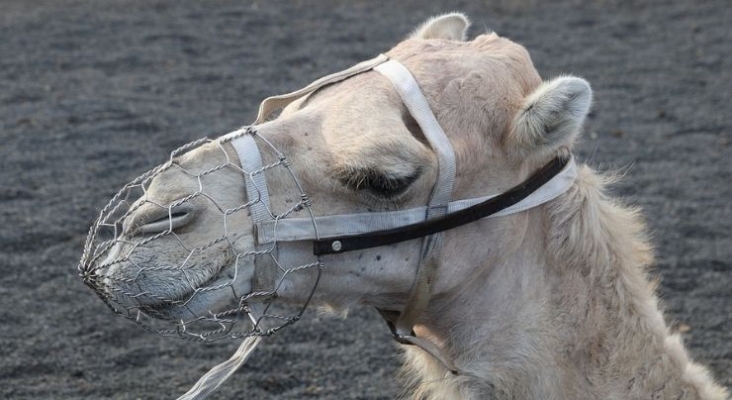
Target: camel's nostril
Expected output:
[163,220]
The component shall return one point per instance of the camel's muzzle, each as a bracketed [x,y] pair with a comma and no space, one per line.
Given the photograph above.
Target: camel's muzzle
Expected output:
[144,259]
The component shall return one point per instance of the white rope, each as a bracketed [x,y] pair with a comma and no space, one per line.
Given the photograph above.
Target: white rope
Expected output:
[218,374]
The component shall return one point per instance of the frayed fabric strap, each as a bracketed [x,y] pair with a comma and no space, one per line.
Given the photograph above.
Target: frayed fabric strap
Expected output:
[218,374]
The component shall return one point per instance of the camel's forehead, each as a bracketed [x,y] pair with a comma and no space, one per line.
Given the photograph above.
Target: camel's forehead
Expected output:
[496,58]
[363,119]
[503,66]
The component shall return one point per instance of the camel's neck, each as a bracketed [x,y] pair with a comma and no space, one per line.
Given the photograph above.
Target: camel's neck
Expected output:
[569,314]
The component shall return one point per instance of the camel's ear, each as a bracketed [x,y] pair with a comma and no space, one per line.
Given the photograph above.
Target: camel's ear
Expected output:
[553,114]
[452,26]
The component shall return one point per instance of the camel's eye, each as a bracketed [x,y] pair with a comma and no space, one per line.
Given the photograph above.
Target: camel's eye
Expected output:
[379,183]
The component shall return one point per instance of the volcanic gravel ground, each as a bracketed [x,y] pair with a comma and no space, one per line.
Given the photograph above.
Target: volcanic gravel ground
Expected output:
[92,93]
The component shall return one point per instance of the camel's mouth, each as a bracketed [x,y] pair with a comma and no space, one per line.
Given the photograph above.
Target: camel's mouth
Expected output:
[187,302]
[178,291]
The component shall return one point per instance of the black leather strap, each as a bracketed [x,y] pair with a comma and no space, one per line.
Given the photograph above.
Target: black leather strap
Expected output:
[449,221]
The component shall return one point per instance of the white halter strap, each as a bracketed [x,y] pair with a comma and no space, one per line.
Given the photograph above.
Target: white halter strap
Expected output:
[420,110]
[402,323]
[273,103]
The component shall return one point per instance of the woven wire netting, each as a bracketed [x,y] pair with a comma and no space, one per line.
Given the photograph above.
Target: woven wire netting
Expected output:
[128,264]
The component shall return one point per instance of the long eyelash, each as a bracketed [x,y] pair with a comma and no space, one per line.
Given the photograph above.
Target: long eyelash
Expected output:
[376,181]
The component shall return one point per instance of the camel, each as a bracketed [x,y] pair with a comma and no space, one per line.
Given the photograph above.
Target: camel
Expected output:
[553,302]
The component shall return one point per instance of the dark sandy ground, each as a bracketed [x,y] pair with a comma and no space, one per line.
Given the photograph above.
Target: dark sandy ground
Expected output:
[94,92]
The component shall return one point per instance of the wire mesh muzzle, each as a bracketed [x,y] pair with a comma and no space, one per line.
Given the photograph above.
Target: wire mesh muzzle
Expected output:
[133,270]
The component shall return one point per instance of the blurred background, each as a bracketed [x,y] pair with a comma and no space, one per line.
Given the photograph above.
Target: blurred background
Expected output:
[92,93]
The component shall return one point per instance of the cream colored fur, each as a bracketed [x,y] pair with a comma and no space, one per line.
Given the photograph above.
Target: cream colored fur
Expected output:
[552,303]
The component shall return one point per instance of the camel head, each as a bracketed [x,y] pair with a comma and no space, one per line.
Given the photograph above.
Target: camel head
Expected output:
[188,248]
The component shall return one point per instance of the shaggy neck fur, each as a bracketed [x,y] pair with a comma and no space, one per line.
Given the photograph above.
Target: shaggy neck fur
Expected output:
[575,316]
